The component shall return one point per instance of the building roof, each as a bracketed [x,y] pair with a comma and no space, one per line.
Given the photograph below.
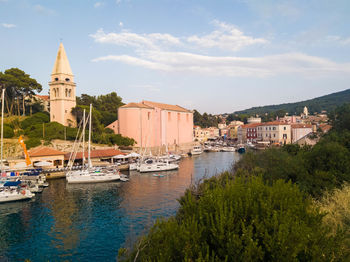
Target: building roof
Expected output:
[136,105]
[274,123]
[61,65]
[252,125]
[166,106]
[301,126]
[99,153]
[325,127]
[44,151]
[43,97]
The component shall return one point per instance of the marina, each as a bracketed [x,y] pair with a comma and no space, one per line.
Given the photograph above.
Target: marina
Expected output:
[80,222]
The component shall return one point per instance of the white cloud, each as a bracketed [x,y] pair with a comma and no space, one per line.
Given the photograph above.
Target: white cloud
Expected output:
[339,40]
[295,63]
[8,25]
[227,37]
[141,41]
[165,52]
[43,10]
[98,4]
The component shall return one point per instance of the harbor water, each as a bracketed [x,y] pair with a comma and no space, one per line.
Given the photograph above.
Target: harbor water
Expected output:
[90,222]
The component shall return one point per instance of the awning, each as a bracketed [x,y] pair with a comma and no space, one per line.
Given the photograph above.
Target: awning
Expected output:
[12,183]
[43,163]
[120,156]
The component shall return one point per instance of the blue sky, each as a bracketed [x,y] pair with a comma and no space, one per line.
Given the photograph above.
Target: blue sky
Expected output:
[214,56]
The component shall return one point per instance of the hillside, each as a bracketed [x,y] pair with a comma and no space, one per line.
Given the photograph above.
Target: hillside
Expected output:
[327,102]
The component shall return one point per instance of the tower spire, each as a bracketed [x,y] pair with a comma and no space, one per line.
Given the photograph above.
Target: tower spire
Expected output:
[61,65]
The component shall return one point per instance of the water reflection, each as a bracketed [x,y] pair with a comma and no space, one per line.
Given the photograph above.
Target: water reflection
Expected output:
[91,221]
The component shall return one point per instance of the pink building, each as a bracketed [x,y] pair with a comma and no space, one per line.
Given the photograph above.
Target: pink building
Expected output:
[154,124]
[114,127]
[299,131]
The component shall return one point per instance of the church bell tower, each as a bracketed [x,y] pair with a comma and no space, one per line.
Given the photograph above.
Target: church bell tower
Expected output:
[62,91]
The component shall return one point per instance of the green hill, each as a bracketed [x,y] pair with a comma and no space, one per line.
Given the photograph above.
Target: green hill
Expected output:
[327,102]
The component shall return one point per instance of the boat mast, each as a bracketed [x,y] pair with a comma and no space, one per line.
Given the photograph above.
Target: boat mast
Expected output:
[83,138]
[90,120]
[2,126]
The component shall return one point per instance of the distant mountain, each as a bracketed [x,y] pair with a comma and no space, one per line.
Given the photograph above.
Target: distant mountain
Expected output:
[327,102]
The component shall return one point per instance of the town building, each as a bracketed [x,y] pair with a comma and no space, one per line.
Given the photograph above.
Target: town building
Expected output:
[47,154]
[248,133]
[252,120]
[299,131]
[62,91]
[153,124]
[274,132]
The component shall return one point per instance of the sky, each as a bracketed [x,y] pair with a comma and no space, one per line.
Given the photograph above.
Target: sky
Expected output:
[215,56]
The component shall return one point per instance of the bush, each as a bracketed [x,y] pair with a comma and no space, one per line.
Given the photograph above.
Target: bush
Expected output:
[8,132]
[32,142]
[240,220]
[37,118]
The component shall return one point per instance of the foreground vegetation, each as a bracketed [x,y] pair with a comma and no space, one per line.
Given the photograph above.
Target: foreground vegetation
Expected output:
[288,204]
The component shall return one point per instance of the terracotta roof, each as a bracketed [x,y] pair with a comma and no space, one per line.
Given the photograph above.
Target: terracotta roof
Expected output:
[252,125]
[100,153]
[274,123]
[165,106]
[43,97]
[136,105]
[301,126]
[44,151]
[325,127]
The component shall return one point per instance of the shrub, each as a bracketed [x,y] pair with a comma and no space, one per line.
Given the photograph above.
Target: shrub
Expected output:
[37,118]
[240,220]
[32,142]
[8,132]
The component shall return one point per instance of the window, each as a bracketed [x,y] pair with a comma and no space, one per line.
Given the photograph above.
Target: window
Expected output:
[274,135]
[169,116]
[285,128]
[66,92]
[149,115]
[66,111]
[67,79]
[274,128]
[56,79]
[70,92]
[187,117]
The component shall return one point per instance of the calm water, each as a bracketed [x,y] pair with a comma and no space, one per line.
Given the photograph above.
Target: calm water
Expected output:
[91,222]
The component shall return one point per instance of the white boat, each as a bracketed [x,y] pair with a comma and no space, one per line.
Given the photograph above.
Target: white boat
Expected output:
[196,150]
[228,149]
[90,174]
[157,167]
[13,192]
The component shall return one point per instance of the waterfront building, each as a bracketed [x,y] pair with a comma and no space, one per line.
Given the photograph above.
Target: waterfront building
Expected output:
[275,132]
[299,131]
[252,120]
[214,132]
[248,133]
[62,91]
[99,157]
[221,125]
[153,124]
[47,154]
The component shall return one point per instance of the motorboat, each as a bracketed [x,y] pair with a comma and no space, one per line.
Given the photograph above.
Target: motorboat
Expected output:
[241,149]
[196,150]
[228,149]
[158,166]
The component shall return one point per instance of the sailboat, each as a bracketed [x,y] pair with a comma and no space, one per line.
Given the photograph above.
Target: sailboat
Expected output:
[10,191]
[90,174]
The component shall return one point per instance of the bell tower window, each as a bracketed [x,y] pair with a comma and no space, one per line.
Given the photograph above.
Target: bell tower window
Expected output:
[67,79]
[56,79]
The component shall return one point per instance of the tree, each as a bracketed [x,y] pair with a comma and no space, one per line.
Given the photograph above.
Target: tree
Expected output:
[19,86]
